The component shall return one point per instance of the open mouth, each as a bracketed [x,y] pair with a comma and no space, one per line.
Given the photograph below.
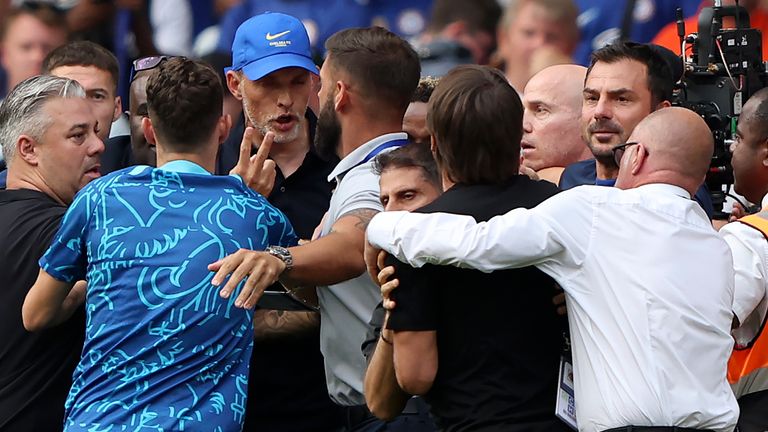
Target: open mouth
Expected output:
[93,172]
[284,122]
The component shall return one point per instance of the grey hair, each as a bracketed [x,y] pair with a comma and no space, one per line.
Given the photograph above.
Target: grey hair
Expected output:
[21,113]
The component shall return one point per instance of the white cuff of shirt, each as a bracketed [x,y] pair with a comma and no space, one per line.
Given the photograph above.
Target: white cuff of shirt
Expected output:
[381,230]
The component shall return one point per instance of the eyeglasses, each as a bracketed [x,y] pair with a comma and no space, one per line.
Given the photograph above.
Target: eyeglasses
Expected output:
[146,63]
[618,151]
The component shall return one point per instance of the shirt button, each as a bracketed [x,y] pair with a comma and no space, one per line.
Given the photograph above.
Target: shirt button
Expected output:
[282,188]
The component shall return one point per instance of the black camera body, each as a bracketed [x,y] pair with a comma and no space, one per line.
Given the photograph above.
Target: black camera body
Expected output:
[724,69]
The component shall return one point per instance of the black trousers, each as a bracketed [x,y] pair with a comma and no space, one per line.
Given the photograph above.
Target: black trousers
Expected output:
[414,418]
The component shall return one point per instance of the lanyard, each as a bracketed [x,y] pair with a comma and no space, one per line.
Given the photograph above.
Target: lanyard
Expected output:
[381,147]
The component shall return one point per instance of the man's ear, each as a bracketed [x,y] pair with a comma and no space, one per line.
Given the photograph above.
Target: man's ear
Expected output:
[763,152]
[223,127]
[663,104]
[233,84]
[341,98]
[149,130]
[637,160]
[26,149]
[118,108]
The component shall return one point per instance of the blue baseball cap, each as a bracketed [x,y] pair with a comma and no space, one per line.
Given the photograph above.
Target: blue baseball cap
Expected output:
[268,42]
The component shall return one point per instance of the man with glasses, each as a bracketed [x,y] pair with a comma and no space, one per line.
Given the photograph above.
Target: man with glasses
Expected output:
[140,152]
[647,280]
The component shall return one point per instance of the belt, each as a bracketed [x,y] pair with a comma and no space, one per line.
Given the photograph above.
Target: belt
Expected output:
[416,405]
[655,429]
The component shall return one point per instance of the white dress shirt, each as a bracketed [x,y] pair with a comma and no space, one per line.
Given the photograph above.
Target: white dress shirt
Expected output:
[750,300]
[649,288]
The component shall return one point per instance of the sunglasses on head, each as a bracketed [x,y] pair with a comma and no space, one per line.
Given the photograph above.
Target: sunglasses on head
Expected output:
[146,63]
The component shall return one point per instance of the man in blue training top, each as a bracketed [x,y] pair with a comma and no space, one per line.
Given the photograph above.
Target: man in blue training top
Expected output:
[163,351]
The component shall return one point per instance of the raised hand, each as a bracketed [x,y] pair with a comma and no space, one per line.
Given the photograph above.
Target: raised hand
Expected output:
[257,171]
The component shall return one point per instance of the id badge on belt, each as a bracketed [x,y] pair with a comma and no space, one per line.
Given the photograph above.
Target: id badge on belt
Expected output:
[565,407]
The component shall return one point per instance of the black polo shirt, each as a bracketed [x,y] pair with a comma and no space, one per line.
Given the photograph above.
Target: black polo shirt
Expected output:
[35,368]
[287,389]
[498,334]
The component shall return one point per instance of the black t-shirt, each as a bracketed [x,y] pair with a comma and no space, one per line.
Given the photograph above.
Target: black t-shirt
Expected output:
[35,368]
[498,335]
[117,154]
[286,387]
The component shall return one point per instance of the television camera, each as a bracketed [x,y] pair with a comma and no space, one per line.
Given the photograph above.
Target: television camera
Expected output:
[722,69]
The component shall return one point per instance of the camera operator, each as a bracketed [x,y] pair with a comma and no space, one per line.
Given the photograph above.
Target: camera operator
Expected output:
[748,367]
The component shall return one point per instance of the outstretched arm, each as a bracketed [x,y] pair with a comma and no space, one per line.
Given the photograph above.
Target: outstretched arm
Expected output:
[330,259]
[557,229]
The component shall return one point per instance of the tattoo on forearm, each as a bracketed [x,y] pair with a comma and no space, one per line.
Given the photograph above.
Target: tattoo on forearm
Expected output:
[268,324]
[363,216]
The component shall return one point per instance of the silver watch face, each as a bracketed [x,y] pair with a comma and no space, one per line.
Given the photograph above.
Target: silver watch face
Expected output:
[282,253]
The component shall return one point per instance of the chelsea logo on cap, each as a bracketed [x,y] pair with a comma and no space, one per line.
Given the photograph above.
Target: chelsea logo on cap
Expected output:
[269,42]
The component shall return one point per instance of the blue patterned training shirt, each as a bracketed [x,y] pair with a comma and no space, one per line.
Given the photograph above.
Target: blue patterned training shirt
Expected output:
[163,351]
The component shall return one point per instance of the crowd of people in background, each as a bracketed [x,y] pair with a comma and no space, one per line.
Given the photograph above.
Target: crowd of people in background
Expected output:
[372,215]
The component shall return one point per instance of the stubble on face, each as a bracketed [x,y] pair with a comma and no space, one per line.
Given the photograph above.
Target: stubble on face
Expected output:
[264,122]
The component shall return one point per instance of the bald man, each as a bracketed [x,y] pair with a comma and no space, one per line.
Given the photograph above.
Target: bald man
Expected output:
[552,136]
[648,282]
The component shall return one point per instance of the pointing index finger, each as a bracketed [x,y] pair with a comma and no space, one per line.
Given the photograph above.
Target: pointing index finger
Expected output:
[245,149]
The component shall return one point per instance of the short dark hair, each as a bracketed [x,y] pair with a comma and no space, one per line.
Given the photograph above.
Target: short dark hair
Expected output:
[660,79]
[425,89]
[83,53]
[184,101]
[47,14]
[477,15]
[759,119]
[409,156]
[380,63]
[476,118]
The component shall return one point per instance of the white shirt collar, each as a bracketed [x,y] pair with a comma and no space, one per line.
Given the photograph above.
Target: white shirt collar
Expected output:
[667,188]
[358,155]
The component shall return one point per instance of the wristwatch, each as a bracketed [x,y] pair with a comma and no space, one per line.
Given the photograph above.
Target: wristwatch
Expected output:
[283,254]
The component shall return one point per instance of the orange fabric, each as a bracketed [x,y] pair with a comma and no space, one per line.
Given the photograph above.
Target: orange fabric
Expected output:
[668,38]
[745,361]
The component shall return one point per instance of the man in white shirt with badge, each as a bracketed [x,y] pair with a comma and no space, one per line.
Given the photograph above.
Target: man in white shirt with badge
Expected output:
[649,283]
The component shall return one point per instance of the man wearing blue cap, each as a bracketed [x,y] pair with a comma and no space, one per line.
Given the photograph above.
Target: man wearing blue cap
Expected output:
[368,79]
[271,74]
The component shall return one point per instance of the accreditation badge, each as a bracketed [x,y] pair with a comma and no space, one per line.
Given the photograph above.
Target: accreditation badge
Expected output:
[565,407]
